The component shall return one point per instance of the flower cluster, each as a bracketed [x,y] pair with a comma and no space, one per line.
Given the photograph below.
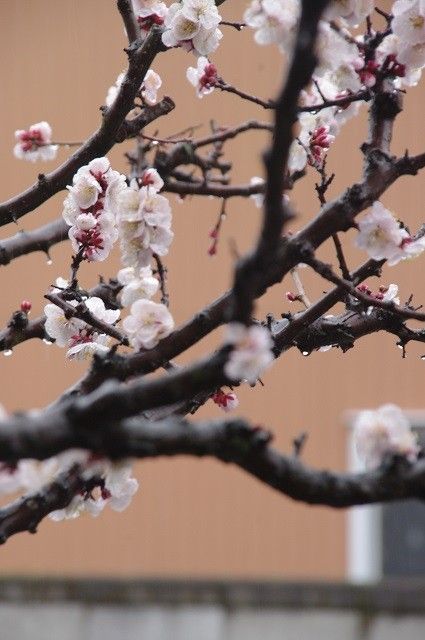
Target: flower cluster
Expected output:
[405,46]
[88,209]
[274,21]
[110,483]
[203,77]
[115,487]
[313,142]
[383,433]
[35,143]
[350,12]
[81,339]
[251,353]
[193,25]
[382,236]
[144,222]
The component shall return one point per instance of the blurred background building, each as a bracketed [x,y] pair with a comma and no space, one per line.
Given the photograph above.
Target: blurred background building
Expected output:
[197,518]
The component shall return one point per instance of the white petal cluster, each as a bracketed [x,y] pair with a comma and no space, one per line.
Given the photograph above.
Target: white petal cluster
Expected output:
[382,433]
[193,24]
[251,353]
[81,339]
[35,143]
[137,284]
[147,324]
[382,237]
[88,209]
[144,220]
[314,140]
[274,21]
[203,77]
[149,13]
[404,48]
[116,487]
[351,12]
[391,294]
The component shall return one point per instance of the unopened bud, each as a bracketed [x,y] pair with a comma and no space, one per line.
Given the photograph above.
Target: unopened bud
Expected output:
[26,306]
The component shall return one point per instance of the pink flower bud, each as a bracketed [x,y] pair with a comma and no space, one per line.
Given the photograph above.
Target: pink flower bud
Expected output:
[26,306]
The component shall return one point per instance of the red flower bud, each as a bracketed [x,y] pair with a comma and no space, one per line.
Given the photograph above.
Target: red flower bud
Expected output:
[26,306]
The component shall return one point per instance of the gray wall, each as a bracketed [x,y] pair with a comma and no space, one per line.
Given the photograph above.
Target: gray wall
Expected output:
[190,610]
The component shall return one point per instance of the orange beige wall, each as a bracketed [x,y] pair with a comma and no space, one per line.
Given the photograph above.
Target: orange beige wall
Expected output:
[193,518]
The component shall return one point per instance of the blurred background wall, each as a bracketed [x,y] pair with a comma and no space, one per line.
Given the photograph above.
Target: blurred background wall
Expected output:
[194,518]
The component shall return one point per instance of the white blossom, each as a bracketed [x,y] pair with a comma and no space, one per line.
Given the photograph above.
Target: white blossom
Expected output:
[391,294]
[193,24]
[257,198]
[96,306]
[274,21]
[120,486]
[86,346]
[89,209]
[113,90]
[150,86]
[251,353]
[60,328]
[383,237]
[144,221]
[409,21]
[151,179]
[384,432]
[353,12]
[203,77]
[35,143]
[137,284]
[147,324]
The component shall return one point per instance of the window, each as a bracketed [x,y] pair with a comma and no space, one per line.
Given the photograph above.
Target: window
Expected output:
[387,540]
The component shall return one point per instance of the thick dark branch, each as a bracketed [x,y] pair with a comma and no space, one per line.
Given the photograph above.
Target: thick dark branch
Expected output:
[130,23]
[26,513]
[345,329]
[252,270]
[40,239]
[231,441]
[140,59]
[286,336]
[132,128]
[326,271]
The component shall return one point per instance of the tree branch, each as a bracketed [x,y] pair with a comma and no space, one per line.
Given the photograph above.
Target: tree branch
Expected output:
[129,19]
[231,441]
[40,239]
